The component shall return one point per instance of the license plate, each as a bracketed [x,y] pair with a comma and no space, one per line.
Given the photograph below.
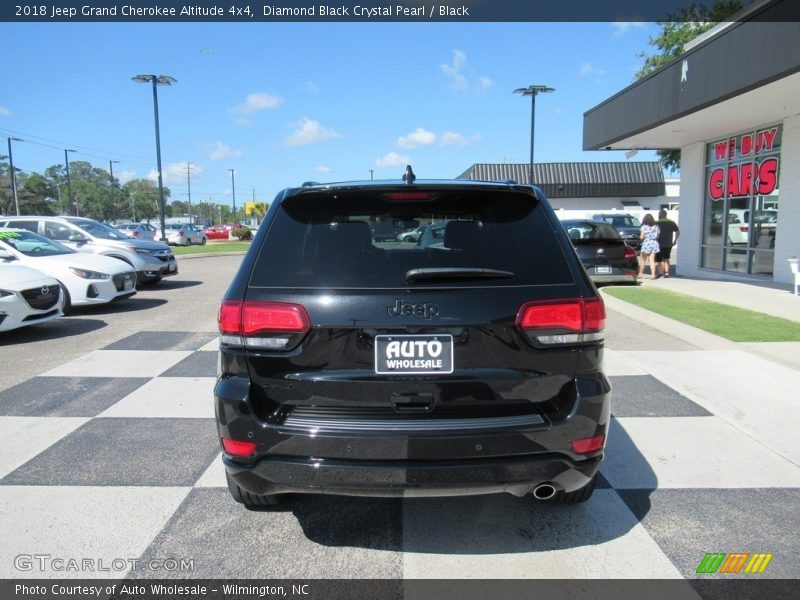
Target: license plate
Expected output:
[128,285]
[413,354]
[602,270]
[172,268]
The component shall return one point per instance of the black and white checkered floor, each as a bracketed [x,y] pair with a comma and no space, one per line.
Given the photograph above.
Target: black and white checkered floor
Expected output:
[114,456]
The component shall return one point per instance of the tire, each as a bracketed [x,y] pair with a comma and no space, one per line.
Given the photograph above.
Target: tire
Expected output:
[67,299]
[203,242]
[577,497]
[250,501]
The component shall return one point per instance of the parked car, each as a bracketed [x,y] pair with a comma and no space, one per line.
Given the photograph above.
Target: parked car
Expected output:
[603,253]
[432,236]
[27,297]
[352,367]
[628,226]
[139,231]
[85,278]
[150,260]
[411,236]
[184,234]
[216,233]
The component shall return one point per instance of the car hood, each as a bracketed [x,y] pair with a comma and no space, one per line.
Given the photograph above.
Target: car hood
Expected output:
[91,262]
[19,277]
[133,243]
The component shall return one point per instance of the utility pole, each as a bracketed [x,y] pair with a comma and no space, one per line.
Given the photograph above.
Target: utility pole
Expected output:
[12,174]
[111,175]
[189,183]
[233,193]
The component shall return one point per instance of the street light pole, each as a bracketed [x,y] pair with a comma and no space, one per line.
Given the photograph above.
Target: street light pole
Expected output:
[233,192]
[533,91]
[13,175]
[189,183]
[156,81]
[69,185]
[111,175]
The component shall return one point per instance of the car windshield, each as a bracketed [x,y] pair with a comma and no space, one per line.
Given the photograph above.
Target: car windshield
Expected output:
[100,230]
[30,244]
[590,230]
[469,239]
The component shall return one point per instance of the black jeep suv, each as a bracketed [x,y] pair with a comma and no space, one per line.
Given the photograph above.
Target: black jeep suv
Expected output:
[356,367]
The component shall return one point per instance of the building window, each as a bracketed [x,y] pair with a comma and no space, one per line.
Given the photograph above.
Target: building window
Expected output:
[740,214]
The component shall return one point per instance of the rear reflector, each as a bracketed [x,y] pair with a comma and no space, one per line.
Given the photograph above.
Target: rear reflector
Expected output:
[587,445]
[239,448]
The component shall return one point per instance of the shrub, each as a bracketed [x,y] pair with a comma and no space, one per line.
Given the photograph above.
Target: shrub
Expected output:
[242,233]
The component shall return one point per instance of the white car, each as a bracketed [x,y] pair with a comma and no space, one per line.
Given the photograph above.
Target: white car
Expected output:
[27,297]
[139,231]
[184,234]
[85,278]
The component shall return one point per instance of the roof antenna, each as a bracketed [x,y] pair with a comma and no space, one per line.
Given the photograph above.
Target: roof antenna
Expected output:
[409,176]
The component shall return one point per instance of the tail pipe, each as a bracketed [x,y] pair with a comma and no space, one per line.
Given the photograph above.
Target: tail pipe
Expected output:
[544,491]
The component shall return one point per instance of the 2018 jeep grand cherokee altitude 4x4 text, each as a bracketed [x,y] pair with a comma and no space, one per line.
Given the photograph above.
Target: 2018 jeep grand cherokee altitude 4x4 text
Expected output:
[350,366]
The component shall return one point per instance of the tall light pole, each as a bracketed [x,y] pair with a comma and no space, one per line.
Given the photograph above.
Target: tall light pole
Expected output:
[69,184]
[533,91]
[12,174]
[233,192]
[156,81]
[111,176]
[189,183]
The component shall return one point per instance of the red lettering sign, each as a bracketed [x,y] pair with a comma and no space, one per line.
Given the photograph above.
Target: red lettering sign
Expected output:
[740,179]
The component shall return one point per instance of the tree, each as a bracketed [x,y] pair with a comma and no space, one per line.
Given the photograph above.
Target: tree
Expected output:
[676,32]
[37,195]
[143,194]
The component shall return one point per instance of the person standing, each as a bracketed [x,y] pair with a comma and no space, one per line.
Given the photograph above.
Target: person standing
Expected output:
[649,236]
[667,238]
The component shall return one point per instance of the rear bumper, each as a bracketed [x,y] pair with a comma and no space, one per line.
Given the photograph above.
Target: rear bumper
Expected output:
[517,476]
[394,458]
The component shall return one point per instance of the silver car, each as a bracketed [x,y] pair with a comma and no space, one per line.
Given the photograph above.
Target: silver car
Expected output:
[151,260]
[138,231]
[184,234]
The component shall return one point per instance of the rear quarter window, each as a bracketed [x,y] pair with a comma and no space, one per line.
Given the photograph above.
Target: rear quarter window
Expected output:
[320,240]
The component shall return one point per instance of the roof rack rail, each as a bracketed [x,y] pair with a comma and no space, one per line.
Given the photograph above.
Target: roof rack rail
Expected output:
[310,183]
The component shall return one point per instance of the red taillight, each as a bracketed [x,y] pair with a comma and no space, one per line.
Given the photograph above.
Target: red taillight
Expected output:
[238,448]
[587,445]
[248,318]
[181,233]
[630,252]
[409,196]
[578,315]
[743,229]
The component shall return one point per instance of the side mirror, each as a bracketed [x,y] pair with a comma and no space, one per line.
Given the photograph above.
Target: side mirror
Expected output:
[6,255]
[77,238]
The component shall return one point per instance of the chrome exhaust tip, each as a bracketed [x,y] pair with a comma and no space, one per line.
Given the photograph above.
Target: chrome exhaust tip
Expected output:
[544,491]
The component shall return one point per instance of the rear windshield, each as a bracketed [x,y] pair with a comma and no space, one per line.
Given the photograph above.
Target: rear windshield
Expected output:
[590,230]
[355,240]
[619,220]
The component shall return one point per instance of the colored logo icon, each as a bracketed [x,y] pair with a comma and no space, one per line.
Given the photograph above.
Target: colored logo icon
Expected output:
[735,563]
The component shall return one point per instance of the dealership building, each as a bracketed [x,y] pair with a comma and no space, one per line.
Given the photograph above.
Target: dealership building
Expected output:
[731,104]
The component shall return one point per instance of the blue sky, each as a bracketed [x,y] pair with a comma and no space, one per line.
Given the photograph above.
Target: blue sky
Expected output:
[282,103]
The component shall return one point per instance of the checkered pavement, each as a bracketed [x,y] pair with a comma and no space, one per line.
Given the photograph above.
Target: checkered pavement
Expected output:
[114,456]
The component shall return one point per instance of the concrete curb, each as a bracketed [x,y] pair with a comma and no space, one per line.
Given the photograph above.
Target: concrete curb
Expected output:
[682,331]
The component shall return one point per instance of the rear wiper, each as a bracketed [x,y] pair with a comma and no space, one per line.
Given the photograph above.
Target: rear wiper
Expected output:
[431,274]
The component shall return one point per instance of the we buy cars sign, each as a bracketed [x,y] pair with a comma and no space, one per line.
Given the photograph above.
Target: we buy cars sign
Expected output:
[751,175]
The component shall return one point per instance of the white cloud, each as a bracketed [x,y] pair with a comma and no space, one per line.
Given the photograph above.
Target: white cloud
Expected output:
[588,69]
[451,138]
[323,169]
[244,122]
[623,27]
[125,176]
[415,139]
[4,112]
[174,173]
[393,159]
[459,80]
[311,87]
[256,102]
[218,150]
[308,131]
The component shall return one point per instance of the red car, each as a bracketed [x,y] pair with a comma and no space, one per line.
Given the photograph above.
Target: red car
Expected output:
[216,233]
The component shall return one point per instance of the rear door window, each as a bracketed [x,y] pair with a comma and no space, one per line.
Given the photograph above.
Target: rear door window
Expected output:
[326,240]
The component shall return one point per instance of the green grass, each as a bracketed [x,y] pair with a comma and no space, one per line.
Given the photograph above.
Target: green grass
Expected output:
[735,324]
[217,247]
